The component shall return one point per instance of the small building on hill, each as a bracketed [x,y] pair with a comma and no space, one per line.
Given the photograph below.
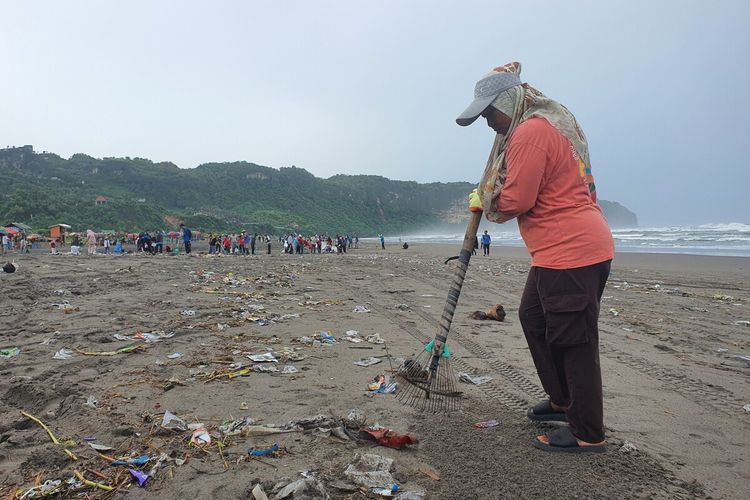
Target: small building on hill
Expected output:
[101,200]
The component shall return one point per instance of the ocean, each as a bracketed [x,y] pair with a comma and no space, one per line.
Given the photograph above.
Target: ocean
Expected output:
[731,239]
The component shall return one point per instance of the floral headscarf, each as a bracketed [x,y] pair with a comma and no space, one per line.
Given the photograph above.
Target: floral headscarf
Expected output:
[521,103]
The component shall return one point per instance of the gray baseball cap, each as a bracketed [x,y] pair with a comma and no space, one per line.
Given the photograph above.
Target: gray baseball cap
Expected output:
[485,91]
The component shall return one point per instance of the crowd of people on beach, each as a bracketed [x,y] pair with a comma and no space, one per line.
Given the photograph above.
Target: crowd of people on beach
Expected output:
[161,242]
[19,243]
[318,243]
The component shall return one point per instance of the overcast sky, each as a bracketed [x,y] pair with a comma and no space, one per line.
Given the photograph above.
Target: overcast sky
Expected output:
[662,88]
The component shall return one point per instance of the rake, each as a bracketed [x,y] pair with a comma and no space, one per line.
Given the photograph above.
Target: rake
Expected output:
[429,384]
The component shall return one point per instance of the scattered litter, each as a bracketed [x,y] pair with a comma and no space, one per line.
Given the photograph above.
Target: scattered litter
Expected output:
[308,488]
[263,358]
[51,487]
[628,447]
[496,313]
[267,430]
[9,352]
[146,337]
[235,427]
[402,307]
[742,322]
[367,361]
[59,292]
[473,379]
[92,402]
[188,312]
[289,354]
[52,437]
[258,493]
[243,406]
[614,312]
[222,326]
[722,349]
[163,457]
[288,369]
[370,470]
[63,354]
[200,437]
[327,426]
[173,422]
[375,338]
[139,476]
[723,297]
[264,369]
[123,350]
[101,447]
[746,408]
[353,336]
[141,460]
[389,437]
[64,305]
[361,309]
[285,317]
[381,386]
[264,452]
[326,338]
[175,355]
[385,492]
[486,424]
[10,268]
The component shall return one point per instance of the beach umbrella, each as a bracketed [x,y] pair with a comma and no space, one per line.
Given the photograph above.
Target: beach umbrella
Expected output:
[11,230]
[173,234]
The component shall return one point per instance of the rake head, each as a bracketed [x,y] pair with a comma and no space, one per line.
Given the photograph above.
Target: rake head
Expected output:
[428,384]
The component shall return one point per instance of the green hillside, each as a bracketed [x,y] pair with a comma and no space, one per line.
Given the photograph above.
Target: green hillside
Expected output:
[44,189]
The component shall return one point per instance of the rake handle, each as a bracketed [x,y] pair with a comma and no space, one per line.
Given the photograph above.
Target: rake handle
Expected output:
[444,325]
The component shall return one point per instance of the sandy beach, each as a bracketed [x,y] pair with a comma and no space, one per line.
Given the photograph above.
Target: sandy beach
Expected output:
[674,330]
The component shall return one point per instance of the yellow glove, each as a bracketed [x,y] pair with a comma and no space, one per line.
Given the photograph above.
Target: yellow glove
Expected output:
[475,202]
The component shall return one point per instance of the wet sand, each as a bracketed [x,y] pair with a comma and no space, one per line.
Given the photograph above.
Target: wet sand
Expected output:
[671,330]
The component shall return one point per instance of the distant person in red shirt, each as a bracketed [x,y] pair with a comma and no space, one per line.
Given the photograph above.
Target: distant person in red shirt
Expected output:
[541,175]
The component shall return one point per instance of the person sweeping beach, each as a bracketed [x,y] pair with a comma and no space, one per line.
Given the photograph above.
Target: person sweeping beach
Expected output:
[541,175]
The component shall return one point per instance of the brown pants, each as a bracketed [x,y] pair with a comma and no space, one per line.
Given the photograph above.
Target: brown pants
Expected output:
[559,314]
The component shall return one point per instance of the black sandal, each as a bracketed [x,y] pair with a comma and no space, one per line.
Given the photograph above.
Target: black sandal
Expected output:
[543,412]
[562,440]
